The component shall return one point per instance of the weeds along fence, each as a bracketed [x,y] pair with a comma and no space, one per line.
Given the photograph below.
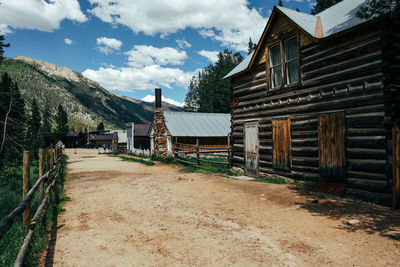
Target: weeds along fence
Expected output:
[195,154]
[49,161]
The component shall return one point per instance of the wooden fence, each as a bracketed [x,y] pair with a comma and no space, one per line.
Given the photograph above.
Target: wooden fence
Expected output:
[396,167]
[200,153]
[49,161]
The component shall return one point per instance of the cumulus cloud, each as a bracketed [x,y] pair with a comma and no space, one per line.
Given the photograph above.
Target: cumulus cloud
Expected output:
[39,15]
[151,99]
[210,55]
[230,22]
[182,43]
[108,45]
[128,79]
[145,55]
[5,29]
[68,41]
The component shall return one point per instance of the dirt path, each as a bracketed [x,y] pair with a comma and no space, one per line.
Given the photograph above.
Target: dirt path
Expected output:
[128,214]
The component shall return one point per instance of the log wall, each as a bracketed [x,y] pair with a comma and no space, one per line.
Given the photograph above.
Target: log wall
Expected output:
[340,74]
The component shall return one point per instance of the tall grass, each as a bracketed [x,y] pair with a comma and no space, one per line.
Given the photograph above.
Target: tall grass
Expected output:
[10,197]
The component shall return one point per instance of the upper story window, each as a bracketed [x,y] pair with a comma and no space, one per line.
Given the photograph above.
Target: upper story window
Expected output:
[284,70]
[275,65]
[291,61]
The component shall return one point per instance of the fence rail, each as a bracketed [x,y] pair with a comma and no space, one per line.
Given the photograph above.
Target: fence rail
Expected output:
[189,149]
[396,167]
[53,155]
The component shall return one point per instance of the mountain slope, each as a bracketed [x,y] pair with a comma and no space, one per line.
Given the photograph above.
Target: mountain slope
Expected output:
[84,100]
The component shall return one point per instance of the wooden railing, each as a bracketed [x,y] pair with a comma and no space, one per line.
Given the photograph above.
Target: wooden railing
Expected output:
[396,167]
[199,153]
[51,157]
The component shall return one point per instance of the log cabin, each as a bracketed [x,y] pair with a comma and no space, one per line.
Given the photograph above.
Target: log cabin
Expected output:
[318,98]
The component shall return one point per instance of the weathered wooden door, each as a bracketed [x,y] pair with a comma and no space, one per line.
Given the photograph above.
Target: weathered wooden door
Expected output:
[281,143]
[251,148]
[396,167]
[331,143]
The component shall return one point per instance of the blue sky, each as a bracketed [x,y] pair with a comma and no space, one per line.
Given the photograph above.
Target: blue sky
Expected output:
[132,46]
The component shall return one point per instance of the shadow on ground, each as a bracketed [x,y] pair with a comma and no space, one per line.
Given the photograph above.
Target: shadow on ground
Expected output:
[355,215]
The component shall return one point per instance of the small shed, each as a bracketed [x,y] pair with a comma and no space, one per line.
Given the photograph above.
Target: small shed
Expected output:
[208,129]
[141,139]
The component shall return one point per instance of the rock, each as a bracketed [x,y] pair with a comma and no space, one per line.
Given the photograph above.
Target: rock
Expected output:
[262,195]
[392,234]
[353,222]
[263,198]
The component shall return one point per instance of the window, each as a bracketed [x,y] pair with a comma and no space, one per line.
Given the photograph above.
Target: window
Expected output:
[291,62]
[275,66]
[283,63]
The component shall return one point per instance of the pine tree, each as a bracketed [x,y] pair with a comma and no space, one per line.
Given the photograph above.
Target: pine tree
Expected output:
[46,119]
[280,3]
[100,126]
[209,92]
[62,124]
[377,8]
[2,44]
[252,47]
[321,5]
[12,121]
[35,132]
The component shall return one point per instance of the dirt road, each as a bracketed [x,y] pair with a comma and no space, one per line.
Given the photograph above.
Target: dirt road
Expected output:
[128,214]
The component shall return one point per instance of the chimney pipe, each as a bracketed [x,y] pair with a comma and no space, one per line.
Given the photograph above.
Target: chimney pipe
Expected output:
[158,97]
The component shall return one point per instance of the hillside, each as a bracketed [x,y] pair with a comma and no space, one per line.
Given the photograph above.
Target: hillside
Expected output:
[85,100]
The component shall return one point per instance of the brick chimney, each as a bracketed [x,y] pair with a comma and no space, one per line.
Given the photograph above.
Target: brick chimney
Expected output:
[160,129]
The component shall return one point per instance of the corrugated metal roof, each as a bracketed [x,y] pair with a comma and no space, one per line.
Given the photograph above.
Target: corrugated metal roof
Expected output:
[337,18]
[197,124]
[241,67]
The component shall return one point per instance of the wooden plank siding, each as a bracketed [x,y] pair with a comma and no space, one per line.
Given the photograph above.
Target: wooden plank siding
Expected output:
[340,74]
[282,148]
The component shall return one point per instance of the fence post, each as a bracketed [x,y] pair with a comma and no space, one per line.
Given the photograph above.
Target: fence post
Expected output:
[41,168]
[396,167]
[26,187]
[197,152]
[47,160]
[176,148]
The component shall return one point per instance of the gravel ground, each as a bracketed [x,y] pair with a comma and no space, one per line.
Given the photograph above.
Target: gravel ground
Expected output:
[128,214]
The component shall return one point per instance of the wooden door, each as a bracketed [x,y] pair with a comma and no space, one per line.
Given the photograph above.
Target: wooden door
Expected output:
[251,148]
[282,146]
[396,167]
[331,143]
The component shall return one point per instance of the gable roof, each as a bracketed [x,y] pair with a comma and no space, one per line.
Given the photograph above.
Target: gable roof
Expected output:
[197,124]
[334,19]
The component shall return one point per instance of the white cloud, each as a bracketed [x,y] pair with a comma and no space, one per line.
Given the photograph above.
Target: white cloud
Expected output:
[230,22]
[143,55]
[108,45]
[128,79]
[39,15]
[151,99]
[5,29]
[182,43]
[68,41]
[210,55]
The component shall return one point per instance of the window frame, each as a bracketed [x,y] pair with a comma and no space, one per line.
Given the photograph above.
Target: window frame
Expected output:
[282,44]
[286,61]
[272,67]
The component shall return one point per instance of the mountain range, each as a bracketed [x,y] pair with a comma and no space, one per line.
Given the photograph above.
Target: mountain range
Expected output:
[86,102]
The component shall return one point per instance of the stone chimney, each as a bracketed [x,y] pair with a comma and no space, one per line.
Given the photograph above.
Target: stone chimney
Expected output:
[160,129]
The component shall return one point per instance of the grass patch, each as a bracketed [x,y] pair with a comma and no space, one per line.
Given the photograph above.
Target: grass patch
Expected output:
[145,162]
[274,179]
[11,196]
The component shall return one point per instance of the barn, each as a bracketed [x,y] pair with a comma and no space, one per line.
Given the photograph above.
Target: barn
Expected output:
[318,98]
[187,129]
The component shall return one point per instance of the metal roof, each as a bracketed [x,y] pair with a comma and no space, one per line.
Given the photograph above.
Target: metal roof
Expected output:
[197,124]
[241,67]
[337,18]
[140,130]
